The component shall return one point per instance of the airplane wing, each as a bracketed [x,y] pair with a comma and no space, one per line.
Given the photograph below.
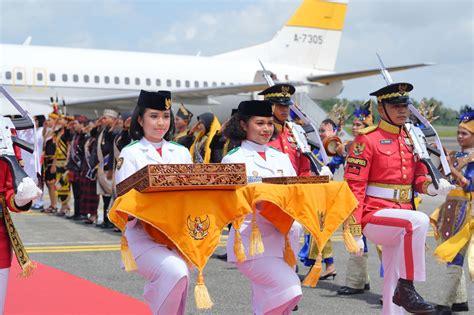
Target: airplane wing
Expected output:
[178,94]
[329,78]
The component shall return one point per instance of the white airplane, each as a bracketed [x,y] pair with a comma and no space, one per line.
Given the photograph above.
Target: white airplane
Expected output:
[303,52]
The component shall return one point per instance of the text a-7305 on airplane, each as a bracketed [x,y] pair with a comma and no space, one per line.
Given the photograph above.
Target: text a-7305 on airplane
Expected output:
[303,52]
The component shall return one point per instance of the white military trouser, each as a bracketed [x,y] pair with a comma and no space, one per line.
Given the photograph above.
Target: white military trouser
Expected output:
[167,274]
[3,287]
[402,233]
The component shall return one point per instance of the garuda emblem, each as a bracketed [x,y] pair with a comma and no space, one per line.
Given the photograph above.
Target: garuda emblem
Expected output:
[358,148]
[198,228]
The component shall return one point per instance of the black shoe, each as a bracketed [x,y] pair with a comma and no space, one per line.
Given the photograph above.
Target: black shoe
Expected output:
[349,291]
[460,307]
[326,276]
[443,310]
[295,308]
[106,225]
[406,296]
[222,257]
[367,287]
[79,217]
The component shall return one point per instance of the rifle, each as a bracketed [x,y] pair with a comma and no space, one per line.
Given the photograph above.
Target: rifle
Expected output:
[300,132]
[418,137]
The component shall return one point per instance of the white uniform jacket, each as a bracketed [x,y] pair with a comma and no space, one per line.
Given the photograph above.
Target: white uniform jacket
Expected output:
[134,157]
[276,164]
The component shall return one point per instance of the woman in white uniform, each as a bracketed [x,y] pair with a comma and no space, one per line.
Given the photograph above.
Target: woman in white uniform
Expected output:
[166,273]
[276,288]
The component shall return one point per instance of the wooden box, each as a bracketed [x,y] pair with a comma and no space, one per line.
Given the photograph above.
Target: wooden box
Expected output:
[286,180]
[166,177]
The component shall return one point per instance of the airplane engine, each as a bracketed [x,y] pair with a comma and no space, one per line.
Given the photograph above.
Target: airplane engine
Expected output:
[324,92]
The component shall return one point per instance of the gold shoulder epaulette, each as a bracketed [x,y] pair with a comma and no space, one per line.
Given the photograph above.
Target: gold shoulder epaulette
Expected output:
[367,130]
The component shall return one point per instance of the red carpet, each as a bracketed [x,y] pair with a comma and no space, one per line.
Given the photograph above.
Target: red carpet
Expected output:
[52,291]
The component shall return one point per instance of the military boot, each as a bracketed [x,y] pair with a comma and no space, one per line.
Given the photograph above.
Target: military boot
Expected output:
[406,296]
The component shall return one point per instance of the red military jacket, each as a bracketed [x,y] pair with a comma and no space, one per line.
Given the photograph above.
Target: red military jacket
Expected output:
[383,155]
[286,143]
[8,194]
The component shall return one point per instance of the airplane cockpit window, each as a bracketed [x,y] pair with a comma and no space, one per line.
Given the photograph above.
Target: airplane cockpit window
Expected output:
[19,75]
[137,81]
[196,84]
[187,84]
[168,82]
[148,82]
[117,80]
[205,84]
[52,77]
[158,82]
[106,79]
[64,77]
[178,83]
[8,75]
[39,76]
[127,81]
[75,78]
[86,78]
[96,79]
[214,83]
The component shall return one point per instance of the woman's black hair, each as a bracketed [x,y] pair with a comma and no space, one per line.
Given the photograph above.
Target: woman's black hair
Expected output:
[136,131]
[234,130]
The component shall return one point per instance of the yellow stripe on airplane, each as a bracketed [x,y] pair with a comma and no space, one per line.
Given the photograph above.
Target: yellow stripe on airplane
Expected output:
[320,14]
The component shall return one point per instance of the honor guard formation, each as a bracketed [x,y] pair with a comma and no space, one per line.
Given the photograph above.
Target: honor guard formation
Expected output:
[385,170]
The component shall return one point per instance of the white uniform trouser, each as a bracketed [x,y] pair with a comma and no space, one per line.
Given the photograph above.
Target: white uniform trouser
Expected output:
[3,287]
[276,289]
[402,233]
[166,272]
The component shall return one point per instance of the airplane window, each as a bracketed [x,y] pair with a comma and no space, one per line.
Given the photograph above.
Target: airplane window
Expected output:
[117,80]
[214,83]
[187,84]
[168,82]
[148,82]
[52,77]
[137,81]
[106,79]
[196,84]
[158,82]
[19,76]
[86,78]
[178,83]
[127,81]
[205,84]
[96,79]
[8,75]
[222,83]
[75,78]
[39,76]
[64,77]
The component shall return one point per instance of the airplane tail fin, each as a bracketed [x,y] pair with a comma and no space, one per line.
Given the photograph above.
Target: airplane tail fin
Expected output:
[310,38]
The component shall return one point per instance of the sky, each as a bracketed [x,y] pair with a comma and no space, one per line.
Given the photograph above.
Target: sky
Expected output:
[401,31]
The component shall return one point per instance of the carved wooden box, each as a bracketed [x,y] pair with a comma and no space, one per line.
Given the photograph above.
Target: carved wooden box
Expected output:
[286,180]
[166,177]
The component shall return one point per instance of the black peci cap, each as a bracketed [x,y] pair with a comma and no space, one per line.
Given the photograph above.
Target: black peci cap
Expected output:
[255,108]
[160,100]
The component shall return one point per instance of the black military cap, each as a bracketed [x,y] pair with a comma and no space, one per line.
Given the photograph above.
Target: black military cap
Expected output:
[184,113]
[395,93]
[255,108]
[279,94]
[160,100]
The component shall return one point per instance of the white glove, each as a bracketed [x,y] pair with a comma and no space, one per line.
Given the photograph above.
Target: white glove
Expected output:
[26,192]
[326,171]
[360,245]
[443,189]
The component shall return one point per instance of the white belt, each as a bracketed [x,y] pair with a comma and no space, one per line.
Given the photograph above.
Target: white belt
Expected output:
[400,195]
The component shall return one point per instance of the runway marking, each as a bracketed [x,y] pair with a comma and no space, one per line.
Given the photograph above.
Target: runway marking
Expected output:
[116,247]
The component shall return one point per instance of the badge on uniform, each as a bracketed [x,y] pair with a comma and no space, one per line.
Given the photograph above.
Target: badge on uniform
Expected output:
[198,228]
[386,141]
[119,163]
[358,148]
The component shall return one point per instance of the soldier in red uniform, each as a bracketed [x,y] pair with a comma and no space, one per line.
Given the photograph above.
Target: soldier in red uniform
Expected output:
[280,96]
[19,201]
[383,173]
